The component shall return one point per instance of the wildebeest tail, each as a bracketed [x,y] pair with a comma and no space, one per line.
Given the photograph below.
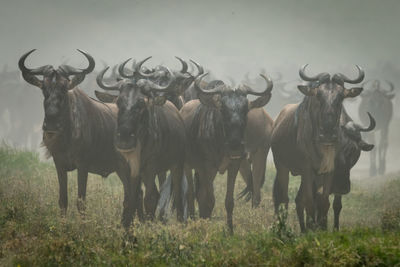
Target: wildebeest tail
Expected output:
[166,194]
[165,198]
[247,192]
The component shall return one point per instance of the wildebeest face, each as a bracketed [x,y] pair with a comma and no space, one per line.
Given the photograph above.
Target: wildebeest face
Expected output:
[137,94]
[55,85]
[330,99]
[55,92]
[377,97]
[234,109]
[132,105]
[328,94]
[233,106]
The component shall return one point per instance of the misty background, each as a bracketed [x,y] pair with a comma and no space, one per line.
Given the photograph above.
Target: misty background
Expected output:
[229,38]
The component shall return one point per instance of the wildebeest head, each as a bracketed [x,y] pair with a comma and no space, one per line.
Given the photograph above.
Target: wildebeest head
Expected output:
[233,106]
[161,75]
[377,96]
[135,100]
[329,94]
[353,132]
[55,85]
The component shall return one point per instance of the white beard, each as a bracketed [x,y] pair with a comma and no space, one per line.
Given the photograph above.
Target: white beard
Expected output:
[328,158]
[133,159]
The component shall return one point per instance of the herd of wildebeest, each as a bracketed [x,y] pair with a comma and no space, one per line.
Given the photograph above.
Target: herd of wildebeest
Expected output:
[150,122]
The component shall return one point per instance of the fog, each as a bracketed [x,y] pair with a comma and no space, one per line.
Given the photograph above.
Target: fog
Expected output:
[230,38]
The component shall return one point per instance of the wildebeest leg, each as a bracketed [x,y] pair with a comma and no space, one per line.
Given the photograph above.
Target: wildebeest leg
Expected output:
[63,189]
[245,171]
[309,204]
[177,176]
[259,166]
[233,169]
[152,195]
[370,137]
[205,192]
[337,207]
[190,193]
[322,199]
[139,208]
[82,183]
[128,209]
[305,201]
[383,145]
[299,207]
[280,189]
[131,193]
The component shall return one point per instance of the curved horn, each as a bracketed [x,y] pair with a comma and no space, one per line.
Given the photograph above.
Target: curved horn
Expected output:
[139,66]
[25,70]
[149,85]
[197,86]
[372,124]
[122,72]
[304,77]
[270,85]
[114,69]
[29,74]
[184,65]
[200,69]
[391,85]
[361,75]
[99,80]
[75,71]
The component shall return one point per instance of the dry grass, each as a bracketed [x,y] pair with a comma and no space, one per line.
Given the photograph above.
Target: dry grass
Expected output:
[32,232]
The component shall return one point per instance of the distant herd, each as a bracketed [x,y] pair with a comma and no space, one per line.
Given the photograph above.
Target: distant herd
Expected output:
[174,125]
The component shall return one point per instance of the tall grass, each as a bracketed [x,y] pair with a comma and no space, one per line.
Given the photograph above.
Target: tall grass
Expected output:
[32,232]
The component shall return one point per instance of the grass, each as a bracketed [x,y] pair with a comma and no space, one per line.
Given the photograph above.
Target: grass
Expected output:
[32,232]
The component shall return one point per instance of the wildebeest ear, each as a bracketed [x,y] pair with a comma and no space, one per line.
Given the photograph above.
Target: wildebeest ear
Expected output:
[104,97]
[260,101]
[77,79]
[159,100]
[353,92]
[365,146]
[211,100]
[307,90]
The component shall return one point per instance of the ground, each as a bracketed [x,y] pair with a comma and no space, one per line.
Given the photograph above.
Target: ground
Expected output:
[32,232]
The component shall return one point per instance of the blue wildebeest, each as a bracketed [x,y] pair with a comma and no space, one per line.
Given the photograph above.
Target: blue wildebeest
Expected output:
[78,131]
[148,125]
[306,141]
[215,128]
[378,101]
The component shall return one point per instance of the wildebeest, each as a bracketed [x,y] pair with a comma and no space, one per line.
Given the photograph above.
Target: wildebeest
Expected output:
[378,101]
[257,143]
[148,126]
[348,154]
[78,131]
[173,93]
[306,140]
[215,128]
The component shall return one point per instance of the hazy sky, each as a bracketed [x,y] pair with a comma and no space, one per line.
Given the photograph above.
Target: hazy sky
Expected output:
[228,37]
